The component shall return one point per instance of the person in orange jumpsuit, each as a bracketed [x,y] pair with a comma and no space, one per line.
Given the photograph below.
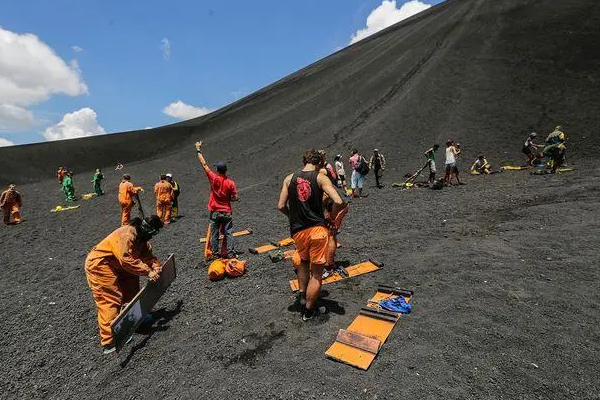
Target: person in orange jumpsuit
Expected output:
[61,174]
[114,266]
[10,201]
[164,198]
[126,194]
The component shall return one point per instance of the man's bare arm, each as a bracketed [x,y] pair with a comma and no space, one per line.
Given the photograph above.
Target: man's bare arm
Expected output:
[283,196]
[200,156]
[327,186]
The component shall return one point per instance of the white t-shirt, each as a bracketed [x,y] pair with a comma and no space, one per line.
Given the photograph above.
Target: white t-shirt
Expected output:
[450,159]
[339,167]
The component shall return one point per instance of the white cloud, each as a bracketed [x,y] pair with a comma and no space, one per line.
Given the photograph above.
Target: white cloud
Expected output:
[77,49]
[165,46]
[148,127]
[180,110]
[76,124]
[387,14]
[5,142]
[14,117]
[30,73]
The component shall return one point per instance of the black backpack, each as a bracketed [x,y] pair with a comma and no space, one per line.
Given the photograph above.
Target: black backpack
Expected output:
[362,167]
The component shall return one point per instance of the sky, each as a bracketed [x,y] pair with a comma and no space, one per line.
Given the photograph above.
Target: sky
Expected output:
[73,68]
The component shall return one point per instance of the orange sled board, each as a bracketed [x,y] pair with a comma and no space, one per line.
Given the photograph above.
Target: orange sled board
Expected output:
[272,246]
[353,270]
[359,344]
[237,233]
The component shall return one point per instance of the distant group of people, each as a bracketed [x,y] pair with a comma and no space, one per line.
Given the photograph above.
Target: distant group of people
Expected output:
[166,191]
[359,167]
[555,148]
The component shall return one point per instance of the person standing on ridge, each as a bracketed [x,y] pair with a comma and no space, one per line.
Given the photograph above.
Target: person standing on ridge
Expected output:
[61,174]
[10,202]
[329,169]
[164,197]
[339,169]
[126,194]
[68,187]
[377,164]
[430,156]
[301,200]
[451,152]
[222,193]
[359,169]
[176,191]
[114,266]
[97,182]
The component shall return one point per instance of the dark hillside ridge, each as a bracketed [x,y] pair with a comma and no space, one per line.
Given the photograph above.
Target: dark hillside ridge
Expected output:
[482,72]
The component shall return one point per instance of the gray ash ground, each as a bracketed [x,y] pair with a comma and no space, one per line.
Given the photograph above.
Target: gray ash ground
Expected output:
[504,269]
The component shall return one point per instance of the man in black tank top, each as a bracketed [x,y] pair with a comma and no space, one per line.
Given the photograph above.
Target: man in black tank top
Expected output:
[301,199]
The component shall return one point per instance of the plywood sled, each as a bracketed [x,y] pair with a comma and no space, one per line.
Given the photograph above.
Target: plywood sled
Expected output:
[132,316]
[353,270]
[359,344]
[272,246]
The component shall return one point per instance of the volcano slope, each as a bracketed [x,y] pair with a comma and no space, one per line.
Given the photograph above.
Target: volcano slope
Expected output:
[504,269]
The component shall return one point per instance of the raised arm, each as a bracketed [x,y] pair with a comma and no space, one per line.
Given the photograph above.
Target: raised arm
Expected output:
[200,156]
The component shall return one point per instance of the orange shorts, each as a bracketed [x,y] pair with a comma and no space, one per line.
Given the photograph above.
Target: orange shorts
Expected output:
[311,244]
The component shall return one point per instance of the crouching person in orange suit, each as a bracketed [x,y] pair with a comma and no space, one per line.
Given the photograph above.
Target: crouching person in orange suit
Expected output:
[10,201]
[114,266]
[126,194]
[164,197]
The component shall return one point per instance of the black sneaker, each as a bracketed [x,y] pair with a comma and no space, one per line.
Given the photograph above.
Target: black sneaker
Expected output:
[109,348]
[307,315]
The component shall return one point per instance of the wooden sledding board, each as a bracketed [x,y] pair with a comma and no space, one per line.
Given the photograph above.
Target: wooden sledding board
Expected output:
[513,167]
[236,233]
[272,246]
[353,270]
[359,344]
[69,208]
[132,316]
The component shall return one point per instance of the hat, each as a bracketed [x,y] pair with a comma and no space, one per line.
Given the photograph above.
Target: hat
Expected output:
[375,150]
[169,175]
[221,167]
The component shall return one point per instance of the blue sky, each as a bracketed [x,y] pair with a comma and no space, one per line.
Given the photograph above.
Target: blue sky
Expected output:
[121,63]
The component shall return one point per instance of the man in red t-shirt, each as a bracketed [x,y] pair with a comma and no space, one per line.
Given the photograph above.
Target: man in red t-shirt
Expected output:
[222,193]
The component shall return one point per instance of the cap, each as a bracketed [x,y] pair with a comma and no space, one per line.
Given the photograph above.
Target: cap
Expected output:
[169,175]
[375,150]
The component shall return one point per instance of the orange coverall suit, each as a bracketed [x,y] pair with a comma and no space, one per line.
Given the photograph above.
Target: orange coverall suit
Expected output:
[164,197]
[126,192]
[10,201]
[113,268]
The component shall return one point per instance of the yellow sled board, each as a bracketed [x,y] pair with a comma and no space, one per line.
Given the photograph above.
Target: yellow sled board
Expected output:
[272,246]
[88,196]
[353,270]
[359,344]
[513,168]
[61,208]
[237,233]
